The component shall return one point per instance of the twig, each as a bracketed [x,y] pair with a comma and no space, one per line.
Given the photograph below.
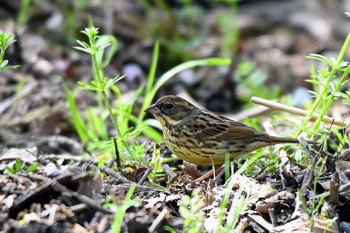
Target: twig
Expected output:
[167,170]
[259,224]
[145,175]
[293,110]
[344,189]
[272,216]
[111,172]
[309,175]
[334,190]
[156,223]
[111,163]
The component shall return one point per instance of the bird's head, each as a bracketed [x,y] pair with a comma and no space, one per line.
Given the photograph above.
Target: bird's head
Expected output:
[170,110]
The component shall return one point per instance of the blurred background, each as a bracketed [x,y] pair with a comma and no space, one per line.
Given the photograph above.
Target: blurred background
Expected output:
[267,42]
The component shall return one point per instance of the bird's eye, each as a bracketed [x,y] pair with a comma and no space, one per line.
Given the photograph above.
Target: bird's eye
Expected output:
[168,106]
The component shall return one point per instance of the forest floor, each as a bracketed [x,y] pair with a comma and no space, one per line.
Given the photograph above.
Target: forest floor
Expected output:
[52,181]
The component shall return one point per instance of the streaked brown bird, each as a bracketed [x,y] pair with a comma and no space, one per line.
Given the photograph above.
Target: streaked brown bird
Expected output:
[202,137]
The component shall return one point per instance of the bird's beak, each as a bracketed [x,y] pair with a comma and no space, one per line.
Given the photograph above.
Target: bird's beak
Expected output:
[153,109]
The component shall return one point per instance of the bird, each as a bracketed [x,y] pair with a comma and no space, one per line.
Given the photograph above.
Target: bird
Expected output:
[205,138]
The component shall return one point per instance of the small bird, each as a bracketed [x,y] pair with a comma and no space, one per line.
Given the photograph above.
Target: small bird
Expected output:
[204,138]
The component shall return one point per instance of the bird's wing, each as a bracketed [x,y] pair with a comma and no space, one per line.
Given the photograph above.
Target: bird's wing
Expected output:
[226,130]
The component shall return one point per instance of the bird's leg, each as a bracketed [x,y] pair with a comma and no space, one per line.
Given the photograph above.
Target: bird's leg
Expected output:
[212,172]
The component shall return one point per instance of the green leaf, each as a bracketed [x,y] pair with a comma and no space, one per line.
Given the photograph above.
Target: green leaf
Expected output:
[4,67]
[120,212]
[84,47]
[92,86]
[33,167]
[97,124]
[6,39]
[103,42]
[169,229]
[18,165]
[11,170]
[76,117]
[116,79]
[318,57]
[4,63]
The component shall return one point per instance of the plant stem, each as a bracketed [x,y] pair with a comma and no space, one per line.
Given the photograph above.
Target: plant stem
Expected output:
[335,69]
[330,99]
[105,98]
[323,93]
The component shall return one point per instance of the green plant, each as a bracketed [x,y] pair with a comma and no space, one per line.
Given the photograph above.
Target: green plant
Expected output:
[330,80]
[121,116]
[169,229]
[239,201]
[19,166]
[6,39]
[227,25]
[24,12]
[250,81]
[328,84]
[96,49]
[182,37]
[70,10]
[121,209]
[189,208]
[316,204]
[179,33]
